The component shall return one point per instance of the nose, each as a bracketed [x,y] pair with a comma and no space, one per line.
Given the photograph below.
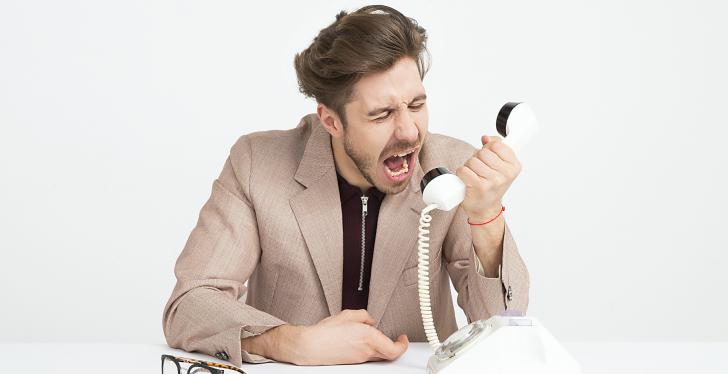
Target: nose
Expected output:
[406,130]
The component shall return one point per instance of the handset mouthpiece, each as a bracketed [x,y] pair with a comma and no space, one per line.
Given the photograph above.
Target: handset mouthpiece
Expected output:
[443,188]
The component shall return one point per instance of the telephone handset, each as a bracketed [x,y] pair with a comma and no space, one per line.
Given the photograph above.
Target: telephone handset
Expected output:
[509,343]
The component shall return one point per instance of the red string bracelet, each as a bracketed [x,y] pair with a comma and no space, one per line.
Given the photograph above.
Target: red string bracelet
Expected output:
[490,220]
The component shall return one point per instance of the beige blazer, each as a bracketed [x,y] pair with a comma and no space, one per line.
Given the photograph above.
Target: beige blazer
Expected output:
[273,220]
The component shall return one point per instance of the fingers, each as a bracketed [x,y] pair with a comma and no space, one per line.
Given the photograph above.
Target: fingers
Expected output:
[380,347]
[485,139]
[504,152]
[490,158]
[474,171]
[468,176]
[402,342]
[501,149]
[481,169]
[386,348]
[357,315]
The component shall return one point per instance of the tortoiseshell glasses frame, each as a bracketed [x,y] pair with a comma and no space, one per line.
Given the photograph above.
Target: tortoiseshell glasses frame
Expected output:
[207,365]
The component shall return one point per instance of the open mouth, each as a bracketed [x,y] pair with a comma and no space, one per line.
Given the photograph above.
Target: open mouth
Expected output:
[397,167]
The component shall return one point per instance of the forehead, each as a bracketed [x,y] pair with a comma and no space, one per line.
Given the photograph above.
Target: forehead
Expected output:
[400,83]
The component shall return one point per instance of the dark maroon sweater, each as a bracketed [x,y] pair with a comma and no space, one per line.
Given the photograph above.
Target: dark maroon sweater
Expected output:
[355,208]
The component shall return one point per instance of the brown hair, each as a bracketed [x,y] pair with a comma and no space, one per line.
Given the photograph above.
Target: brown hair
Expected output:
[369,40]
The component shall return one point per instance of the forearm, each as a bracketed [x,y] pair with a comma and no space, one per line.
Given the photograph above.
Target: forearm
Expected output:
[488,242]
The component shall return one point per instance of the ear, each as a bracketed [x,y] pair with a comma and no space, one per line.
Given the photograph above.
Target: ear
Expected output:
[330,121]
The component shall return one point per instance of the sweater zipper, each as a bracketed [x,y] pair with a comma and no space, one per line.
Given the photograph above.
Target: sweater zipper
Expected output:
[364,200]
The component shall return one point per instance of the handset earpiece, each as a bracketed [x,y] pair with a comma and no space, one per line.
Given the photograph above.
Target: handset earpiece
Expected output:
[515,122]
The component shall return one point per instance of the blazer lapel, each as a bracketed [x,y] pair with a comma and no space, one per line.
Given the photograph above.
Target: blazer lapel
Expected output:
[396,241]
[318,212]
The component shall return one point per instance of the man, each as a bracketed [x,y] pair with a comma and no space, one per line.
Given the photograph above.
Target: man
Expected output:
[322,220]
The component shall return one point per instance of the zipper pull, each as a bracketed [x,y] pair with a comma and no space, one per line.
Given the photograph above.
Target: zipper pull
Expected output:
[364,200]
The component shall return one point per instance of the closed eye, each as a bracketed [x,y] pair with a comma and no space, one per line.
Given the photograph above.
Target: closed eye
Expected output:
[413,108]
[382,118]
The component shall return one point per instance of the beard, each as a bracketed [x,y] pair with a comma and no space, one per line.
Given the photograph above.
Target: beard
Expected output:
[368,166]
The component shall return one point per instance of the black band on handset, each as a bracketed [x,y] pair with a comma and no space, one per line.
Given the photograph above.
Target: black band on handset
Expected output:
[432,174]
[502,120]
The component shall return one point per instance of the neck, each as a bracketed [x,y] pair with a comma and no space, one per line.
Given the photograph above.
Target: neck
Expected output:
[346,167]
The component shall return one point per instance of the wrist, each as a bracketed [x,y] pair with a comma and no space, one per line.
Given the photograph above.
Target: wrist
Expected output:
[278,343]
[285,343]
[490,214]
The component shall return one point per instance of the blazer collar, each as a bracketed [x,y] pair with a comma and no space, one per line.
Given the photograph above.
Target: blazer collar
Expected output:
[318,157]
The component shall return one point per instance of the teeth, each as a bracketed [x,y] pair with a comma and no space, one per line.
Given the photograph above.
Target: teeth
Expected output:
[403,170]
[405,154]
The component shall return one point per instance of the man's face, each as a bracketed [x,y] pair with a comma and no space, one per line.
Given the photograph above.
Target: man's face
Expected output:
[386,125]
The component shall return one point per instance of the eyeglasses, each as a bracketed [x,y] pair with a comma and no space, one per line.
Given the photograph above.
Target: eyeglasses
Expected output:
[173,365]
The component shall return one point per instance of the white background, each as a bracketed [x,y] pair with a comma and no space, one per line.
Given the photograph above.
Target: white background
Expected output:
[115,117]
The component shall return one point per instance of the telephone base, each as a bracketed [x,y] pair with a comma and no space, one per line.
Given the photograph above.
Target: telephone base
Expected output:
[502,345]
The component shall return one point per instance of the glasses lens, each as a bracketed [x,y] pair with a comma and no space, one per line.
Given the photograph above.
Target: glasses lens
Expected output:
[169,366]
[199,370]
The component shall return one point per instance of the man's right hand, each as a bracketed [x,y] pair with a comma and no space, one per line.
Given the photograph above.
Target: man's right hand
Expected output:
[346,338]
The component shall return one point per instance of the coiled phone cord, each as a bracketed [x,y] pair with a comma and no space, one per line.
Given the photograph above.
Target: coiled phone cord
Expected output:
[423,277]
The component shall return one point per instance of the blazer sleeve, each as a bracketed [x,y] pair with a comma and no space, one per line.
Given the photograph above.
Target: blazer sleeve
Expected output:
[204,313]
[481,297]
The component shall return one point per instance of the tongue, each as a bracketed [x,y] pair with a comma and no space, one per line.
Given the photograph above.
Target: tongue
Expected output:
[394,163]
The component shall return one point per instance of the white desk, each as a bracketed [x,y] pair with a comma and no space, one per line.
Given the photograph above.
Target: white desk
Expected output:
[595,357]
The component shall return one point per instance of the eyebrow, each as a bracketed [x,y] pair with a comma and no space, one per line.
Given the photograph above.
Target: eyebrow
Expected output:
[376,111]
